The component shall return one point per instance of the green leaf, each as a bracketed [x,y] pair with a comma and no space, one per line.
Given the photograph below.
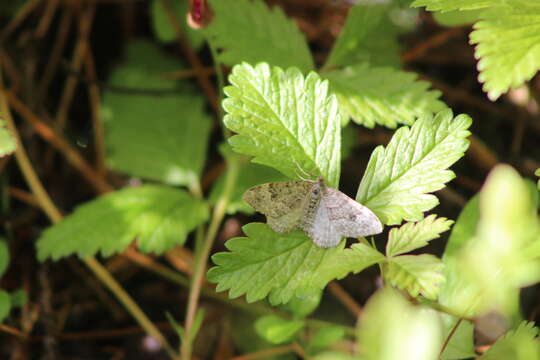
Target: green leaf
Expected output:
[464,229]
[457,17]
[498,261]
[382,95]
[302,306]
[19,298]
[163,29]
[249,31]
[158,216]
[4,255]
[162,136]
[519,344]
[461,344]
[449,5]
[411,236]
[268,263]
[508,45]
[245,338]
[324,337]
[277,330]
[457,293]
[398,179]
[392,329]
[349,140]
[249,175]
[355,259]
[285,120]
[367,36]
[417,274]
[5,305]
[8,144]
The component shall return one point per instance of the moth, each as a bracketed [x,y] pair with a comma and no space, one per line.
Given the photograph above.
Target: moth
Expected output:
[325,214]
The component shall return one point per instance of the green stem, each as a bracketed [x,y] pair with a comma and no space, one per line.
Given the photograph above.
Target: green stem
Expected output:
[218,68]
[200,263]
[195,189]
[449,337]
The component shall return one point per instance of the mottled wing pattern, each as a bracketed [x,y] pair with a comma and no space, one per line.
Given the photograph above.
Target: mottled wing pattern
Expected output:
[281,202]
[350,219]
[338,216]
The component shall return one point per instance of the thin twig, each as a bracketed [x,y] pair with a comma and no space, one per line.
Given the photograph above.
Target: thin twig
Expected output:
[207,290]
[46,18]
[154,266]
[55,216]
[22,14]
[11,71]
[481,154]
[345,298]
[181,259]
[95,105]
[56,53]
[76,63]
[436,40]
[12,331]
[58,142]
[194,61]
[130,305]
[187,74]
[263,354]
[23,196]
[520,126]
[24,162]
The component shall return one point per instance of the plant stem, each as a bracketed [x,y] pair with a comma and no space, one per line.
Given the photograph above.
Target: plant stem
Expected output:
[131,306]
[221,82]
[449,337]
[200,262]
[55,216]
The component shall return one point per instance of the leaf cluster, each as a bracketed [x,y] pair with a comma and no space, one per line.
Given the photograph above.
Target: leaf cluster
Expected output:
[289,119]
[506,35]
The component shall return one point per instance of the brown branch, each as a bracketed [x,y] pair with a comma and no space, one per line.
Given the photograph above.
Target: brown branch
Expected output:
[48,134]
[481,154]
[76,63]
[345,298]
[17,20]
[436,40]
[56,53]
[12,331]
[11,71]
[189,73]
[95,106]
[46,18]
[24,196]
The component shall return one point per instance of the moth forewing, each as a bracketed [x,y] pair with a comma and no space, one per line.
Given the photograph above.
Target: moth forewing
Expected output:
[351,219]
[325,214]
[281,202]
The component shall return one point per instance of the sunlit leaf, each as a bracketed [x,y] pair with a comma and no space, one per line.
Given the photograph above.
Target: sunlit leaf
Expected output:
[399,178]
[159,217]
